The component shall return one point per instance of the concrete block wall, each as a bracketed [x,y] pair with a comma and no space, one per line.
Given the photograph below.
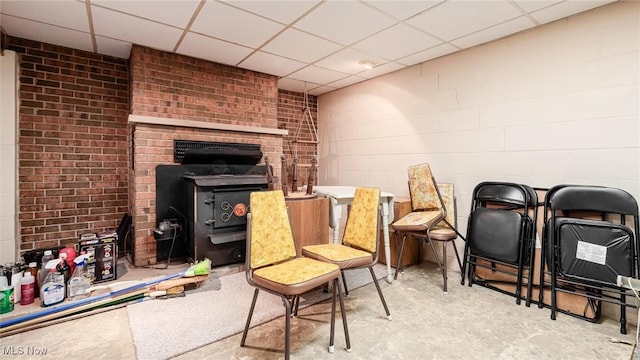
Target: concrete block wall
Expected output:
[551,105]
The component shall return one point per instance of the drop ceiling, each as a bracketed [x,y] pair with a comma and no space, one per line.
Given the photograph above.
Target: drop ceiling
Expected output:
[311,45]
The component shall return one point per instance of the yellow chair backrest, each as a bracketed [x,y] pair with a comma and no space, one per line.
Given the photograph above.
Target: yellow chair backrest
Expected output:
[361,229]
[422,189]
[271,237]
[448,198]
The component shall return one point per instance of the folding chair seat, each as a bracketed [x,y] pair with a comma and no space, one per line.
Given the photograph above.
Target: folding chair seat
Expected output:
[272,265]
[501,231]
[360,245]
[588,244]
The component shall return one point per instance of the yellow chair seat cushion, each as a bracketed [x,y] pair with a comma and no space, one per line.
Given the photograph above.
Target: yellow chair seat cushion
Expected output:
[296,276]
[344,256]
[418,220]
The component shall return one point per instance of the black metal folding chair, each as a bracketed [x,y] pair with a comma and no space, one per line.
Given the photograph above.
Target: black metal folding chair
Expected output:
[587,244]
[502,231]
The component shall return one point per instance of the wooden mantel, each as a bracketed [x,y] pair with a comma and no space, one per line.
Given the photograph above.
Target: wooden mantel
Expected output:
[154,120]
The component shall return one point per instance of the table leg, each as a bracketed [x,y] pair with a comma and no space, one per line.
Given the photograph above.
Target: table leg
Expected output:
[385,233]
[336,215]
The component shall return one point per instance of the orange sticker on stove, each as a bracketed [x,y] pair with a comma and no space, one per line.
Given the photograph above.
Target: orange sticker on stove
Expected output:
[240,210]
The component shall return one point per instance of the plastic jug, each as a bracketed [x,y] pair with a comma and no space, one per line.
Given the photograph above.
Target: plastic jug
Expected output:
[79,281]
[33,270]
[48,256]
[53,289]
[16,275]
[27,288]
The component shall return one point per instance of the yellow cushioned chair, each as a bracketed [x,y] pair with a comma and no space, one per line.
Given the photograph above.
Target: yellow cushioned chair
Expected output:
[428,211]
[360,242]
[445,231]
[272,265]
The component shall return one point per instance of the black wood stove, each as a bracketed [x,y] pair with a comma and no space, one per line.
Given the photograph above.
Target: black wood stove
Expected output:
[207,196]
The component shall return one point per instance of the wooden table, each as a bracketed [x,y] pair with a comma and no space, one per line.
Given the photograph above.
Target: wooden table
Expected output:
[341,196]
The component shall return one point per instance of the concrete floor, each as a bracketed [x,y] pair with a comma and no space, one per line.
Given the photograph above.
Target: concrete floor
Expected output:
[466,323]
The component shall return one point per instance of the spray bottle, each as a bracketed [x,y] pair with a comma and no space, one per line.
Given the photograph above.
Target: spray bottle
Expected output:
[79,281]
[53,289]
[48,256]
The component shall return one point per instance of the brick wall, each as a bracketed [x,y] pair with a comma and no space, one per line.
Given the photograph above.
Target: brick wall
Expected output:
[291,116]
[75,174]
[73,146]
[177,87]
[181,87]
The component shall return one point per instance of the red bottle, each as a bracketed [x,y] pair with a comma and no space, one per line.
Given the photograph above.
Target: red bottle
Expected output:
[27,288]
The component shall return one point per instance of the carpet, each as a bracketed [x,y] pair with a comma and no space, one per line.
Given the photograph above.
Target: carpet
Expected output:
[218,309]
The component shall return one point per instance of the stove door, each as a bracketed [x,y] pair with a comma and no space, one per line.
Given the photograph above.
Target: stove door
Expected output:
[230,209]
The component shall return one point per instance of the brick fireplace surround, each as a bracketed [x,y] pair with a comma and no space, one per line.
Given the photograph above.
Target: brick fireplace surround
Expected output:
[69,95]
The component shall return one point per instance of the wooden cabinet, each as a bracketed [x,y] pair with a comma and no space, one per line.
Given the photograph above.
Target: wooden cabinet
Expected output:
[411,252]
[309,221]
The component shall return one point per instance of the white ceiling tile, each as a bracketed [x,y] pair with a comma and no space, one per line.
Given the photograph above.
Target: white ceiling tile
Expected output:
[311,55]
[237,26]
[46,33]
[453,19]
[270,64]
[344,22]
[115,25]
[346,81]
[203,47]
[426,55]
[403,9]
[565,9]
[69,14]
[321,90]
[300,46]
[174,13]
[317,75]
[295,85]
[386,44]
[347,61]
[381,70]
[495,32]
[533,5]
[116,48]
[284,11]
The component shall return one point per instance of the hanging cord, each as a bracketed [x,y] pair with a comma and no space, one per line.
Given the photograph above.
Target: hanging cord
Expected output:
[306,115]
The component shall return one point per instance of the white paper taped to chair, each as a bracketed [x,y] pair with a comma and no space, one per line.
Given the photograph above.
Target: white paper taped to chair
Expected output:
[591,252]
